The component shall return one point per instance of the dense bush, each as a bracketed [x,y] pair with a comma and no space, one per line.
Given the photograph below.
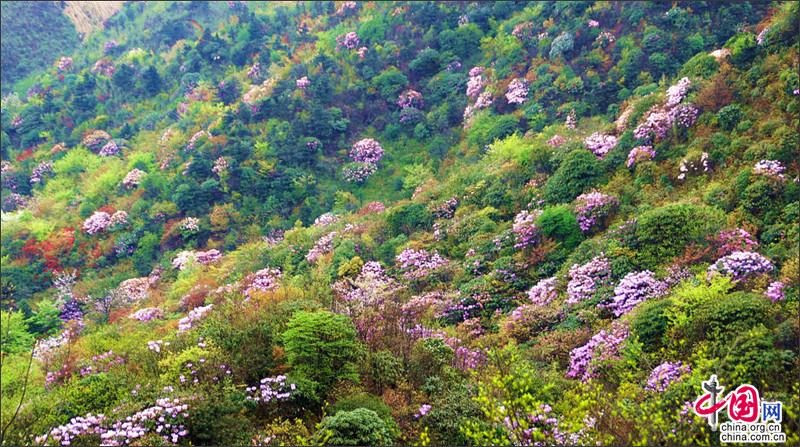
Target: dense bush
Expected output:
[321,348]
[357,427]
[665,232]
[578,172]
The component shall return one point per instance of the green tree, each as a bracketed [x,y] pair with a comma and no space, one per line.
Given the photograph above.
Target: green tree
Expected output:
[321,348]
[151,81]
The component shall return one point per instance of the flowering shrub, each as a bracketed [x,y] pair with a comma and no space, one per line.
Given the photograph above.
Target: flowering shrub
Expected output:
[134,289]
[761,38]
[571,121]
[263,280]
[147,314]
[677,92]
[775,291]
[157,345]
[605,38]
[634,288]
[133,178]
[346,7]
[476,82]
[368,289]
[195,138]
[270,389]
[517,91]
[556,141]
[655,126]
[423,410]
[104,67]
[166,418]
[544,292]
[189,225]
[195,315]
[465,359]
[64,64]
[366,151]
[118,219]
[665,374]
[95,140]
[600,144]
[302,83]
[523,31]
[693,165]
[254,71]
[358,172]
[741,265]
[585,361]
[14,201]
[417,264]
[585,279]
[484,100]
[374,207]
[737,239]
[410,98]
[102,363]
[326,219]
[42,169]
[640,153]
[183,259]
[684,115]
[77,426]
[97,222]
[770,168]
[446,209]
[524,228]
[220,166]
[593,207]
[323,246]
[349,40]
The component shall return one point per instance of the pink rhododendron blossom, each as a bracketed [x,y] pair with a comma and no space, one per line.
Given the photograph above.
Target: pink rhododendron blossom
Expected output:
[603,346]
[741,265]
[349,40]
[517,91]
[133,178]
[634,288]
[665,374]
[593,207]
[194,317]
[544,292]
[770,168]
[417,264]
[639,154]
[585,279]
[302,83]
[600,144]
[97,222]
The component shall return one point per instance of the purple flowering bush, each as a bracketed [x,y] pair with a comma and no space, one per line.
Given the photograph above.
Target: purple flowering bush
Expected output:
[600,144]
[592,208]
[633,289]
[741,265]
[665,374]
[586,361]
[585,280]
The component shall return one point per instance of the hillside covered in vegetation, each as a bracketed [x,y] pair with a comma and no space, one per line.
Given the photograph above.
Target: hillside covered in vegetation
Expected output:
[427,223]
